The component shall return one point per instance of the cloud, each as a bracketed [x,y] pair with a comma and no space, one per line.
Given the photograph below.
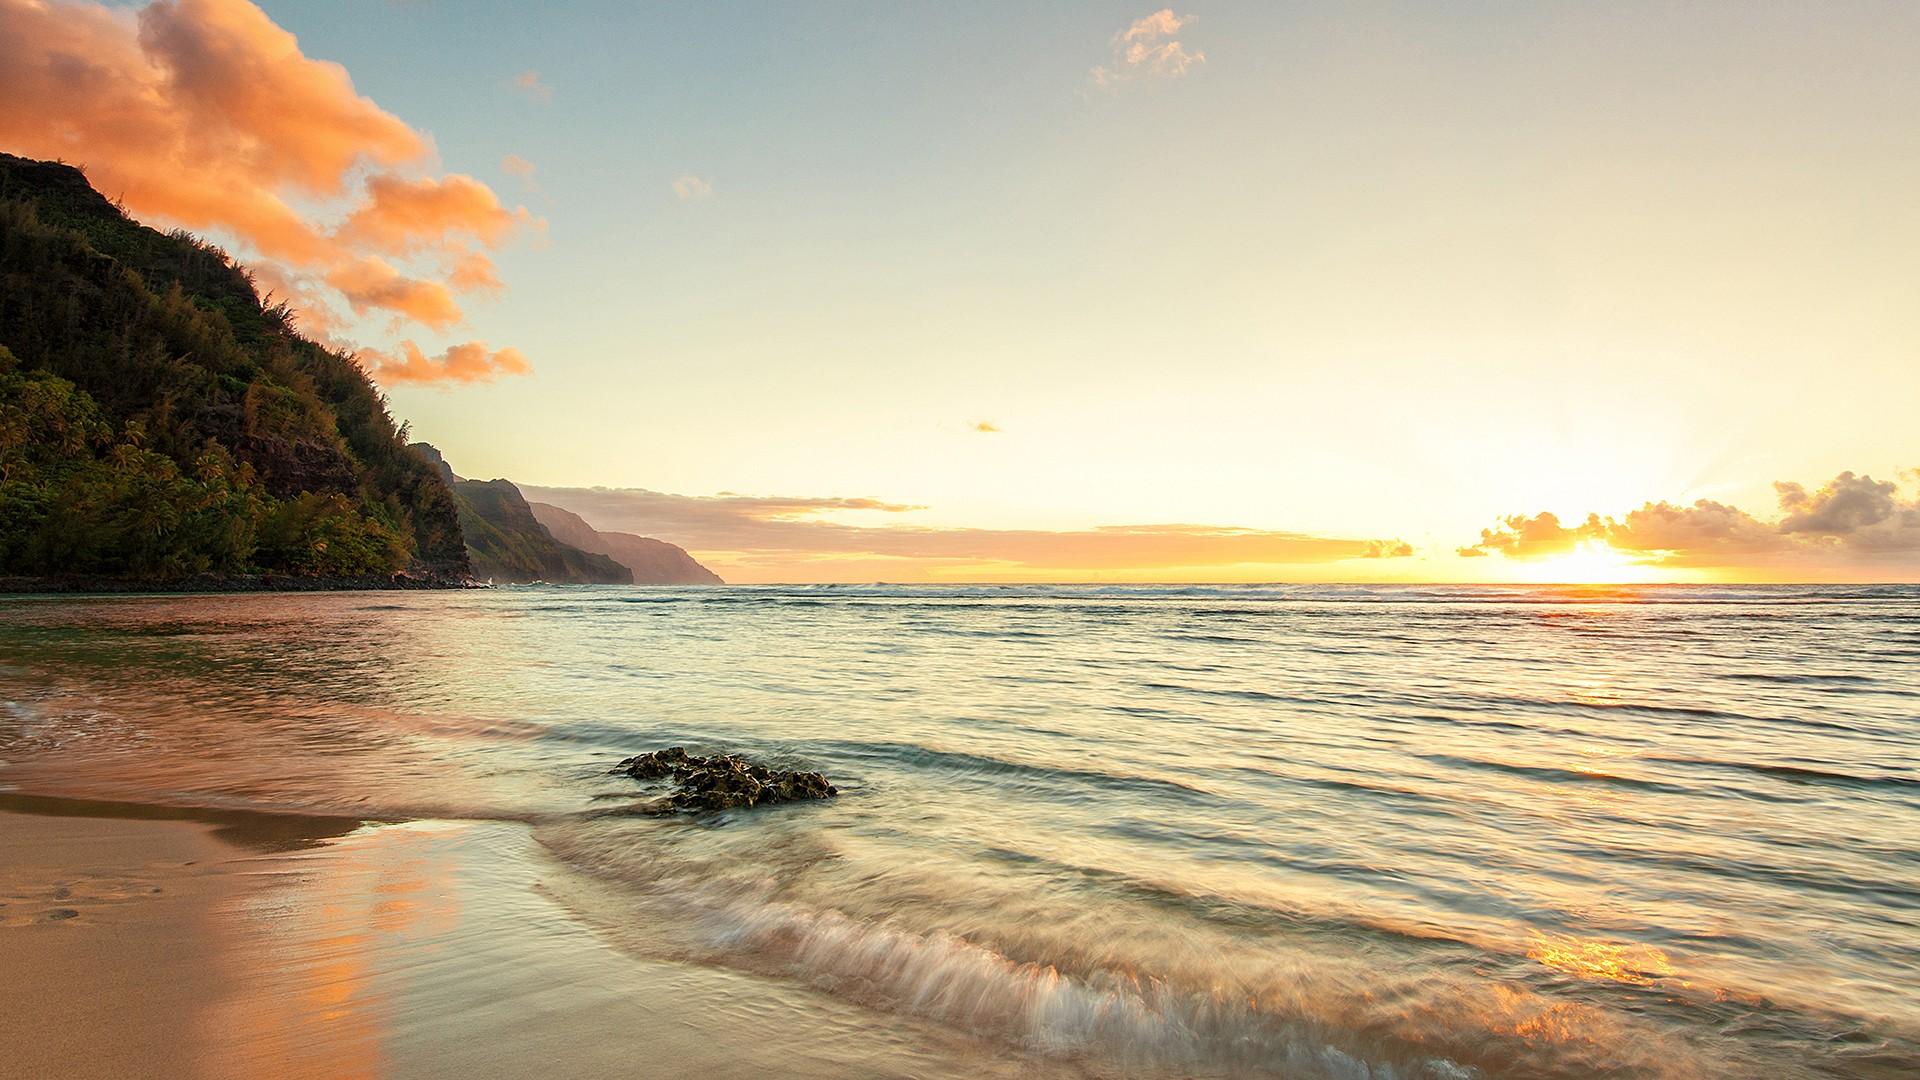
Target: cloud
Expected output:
[528,83]
[987,427]
[1851,522]
[373,284]
[516,166]
[474,272]
[1387,549]
[772,538]
[1147,49]
[468,363]
[692,187]
[1528,538]
[207,115]
[403,216]
[1847,505]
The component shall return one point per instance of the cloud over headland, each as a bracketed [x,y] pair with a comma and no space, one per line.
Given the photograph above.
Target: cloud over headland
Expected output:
[801,538]
[207,115]
[468,363]
[1851,523]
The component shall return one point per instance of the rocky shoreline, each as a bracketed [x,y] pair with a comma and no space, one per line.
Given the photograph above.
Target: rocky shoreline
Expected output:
[224,583]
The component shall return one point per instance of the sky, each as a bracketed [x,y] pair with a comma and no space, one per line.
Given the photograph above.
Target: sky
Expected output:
[1100,291]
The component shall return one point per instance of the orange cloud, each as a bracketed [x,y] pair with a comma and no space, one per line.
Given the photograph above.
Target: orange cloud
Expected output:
[199,111]
[987,427]
[528,83]
[468,363]
[401,216]
[473,272]
[205,114]
[517,166]
[1147,48]
[372,284]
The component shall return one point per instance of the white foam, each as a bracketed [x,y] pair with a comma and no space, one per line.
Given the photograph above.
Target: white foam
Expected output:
[1111,1015]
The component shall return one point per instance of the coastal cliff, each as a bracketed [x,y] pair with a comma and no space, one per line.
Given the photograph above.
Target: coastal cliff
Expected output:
[653,562]
[506,543]
[158,422]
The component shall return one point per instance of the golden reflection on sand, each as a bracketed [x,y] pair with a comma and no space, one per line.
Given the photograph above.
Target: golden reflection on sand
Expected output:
[316,951]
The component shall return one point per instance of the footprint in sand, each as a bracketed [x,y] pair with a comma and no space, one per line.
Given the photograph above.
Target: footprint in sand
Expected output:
[59,901]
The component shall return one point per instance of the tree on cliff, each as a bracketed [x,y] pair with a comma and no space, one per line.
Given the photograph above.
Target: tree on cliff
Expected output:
[157,419]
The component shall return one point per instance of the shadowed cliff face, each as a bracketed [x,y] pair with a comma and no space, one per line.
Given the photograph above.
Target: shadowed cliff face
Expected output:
[506,543]
[653,562]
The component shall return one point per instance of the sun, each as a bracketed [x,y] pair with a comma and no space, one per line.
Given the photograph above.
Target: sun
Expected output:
[1591,562]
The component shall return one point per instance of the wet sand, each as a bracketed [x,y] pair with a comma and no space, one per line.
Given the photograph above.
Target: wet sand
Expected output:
[105,939]
[147,941]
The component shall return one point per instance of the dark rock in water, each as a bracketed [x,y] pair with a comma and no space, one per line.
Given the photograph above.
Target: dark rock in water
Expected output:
[722,783]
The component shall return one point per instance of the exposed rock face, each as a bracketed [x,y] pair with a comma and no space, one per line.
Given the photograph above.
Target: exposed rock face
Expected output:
[438,461]
[721,783]
[653,562]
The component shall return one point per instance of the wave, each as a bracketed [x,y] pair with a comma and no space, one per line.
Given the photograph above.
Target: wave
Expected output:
[1799,773]
[1110,1014]
[1558,775]
[958,763]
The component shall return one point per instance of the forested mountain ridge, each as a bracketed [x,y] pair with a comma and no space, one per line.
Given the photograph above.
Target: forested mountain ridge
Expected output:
[653,562]
[157,420]
[506,543]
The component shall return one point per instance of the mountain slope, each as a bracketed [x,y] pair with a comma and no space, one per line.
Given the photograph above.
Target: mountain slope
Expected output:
[157,420]
[506,543]
[653,562]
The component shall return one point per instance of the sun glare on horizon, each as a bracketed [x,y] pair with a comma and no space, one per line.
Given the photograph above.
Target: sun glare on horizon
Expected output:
[1591,562]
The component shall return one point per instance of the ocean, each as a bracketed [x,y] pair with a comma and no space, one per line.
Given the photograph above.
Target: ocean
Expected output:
[1341,831]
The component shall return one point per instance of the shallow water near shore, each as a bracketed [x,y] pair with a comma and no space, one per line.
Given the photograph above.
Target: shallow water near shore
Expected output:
[1302,831]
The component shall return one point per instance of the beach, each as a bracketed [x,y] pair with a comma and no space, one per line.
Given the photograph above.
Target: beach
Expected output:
[143,941]
[1434,832]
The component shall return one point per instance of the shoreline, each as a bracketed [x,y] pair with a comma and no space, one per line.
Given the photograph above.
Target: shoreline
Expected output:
[145,939]
[223,583]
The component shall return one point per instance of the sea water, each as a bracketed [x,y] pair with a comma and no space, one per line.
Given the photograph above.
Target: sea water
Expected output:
[1165,831]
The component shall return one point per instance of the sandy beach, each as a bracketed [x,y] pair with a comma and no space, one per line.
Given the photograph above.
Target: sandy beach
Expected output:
[157,941]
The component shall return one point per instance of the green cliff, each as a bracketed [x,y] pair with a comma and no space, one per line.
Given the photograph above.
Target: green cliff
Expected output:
[506,543]
[156,420]
[653,562]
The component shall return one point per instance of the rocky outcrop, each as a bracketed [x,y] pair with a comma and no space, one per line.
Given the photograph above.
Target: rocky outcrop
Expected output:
[438,461]
[725,782]
[653,562]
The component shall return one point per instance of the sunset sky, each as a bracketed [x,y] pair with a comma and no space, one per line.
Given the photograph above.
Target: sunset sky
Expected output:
[1229,291]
